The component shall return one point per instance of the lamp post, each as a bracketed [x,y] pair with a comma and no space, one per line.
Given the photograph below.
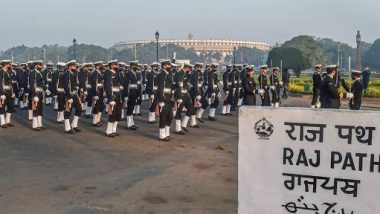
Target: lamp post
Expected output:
[234,55]
[75,48]
[358,40]
[157,36]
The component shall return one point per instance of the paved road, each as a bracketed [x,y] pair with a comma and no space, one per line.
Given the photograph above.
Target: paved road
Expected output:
[51,172]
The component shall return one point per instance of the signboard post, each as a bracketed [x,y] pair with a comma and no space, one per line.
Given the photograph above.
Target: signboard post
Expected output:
[296,160]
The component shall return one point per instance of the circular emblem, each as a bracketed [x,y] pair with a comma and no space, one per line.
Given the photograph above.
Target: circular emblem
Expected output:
[264,128]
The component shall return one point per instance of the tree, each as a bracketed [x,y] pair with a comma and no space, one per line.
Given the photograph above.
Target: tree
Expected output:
[308,46]
[291,58]
[372,56]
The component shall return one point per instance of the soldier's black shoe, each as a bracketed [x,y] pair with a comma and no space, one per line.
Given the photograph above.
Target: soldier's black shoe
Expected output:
[36,129]
[132,128]
[42,127]
[116,134]
[180,132]
[10,125]
[224,114]
[139,114]
[110,135]
[212,118]
[195,126]
[4,126]
[200,120]
[71,131]
[229,114]
[96,125]
[166,139]
[134,114]
[60,122]
[152,122]
[185,129]
[76,129]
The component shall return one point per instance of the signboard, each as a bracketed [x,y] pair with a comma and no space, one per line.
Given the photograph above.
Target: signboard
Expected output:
[295,160]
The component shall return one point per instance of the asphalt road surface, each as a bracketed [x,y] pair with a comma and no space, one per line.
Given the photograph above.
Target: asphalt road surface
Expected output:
[52,172]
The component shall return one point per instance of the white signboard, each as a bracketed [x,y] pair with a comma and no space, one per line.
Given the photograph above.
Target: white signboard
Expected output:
[295,160]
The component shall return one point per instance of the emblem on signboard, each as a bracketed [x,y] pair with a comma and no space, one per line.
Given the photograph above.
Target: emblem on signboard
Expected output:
[264,128]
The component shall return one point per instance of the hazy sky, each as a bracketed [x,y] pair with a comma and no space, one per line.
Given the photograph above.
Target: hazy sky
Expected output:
[104,22]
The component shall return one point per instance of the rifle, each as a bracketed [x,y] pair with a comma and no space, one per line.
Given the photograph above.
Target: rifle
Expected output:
[94,102]
[175,105]
[110,109]
[157,110]
[34,105]
[67,106]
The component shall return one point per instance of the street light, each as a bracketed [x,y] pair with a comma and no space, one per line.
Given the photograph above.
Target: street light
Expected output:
[75,48]
[157,36]
[234,55]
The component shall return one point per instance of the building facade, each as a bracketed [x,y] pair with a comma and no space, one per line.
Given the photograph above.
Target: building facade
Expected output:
[224,46]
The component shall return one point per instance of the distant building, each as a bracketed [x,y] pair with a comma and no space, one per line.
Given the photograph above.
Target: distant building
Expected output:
[224,46]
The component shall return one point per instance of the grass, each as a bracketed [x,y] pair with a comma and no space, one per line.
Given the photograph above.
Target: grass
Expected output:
[304,85]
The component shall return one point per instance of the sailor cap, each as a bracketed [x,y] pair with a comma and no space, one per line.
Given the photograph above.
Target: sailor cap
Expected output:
[187,65]
[165,61]
[113,62]
[72,62]
[40,62]
[5,61]
[356,71]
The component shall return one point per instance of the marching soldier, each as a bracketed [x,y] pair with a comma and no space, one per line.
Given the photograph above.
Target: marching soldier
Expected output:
[164,95]
[21,75]
[232,90]
[329,92]
[196,91]
[355,91]
[6,94]
[15,85]
[173,71]
[317,84]
[226,89]
[136,111]
[213,91]
[263,83]
[183,79]
[113,87]
[121,71]
[249,88]
[97,93]
[285,80]
[36,91]
[29,98]
[238,69]
[131,93]
[243,74]
[84,87]
[72,100]
[178,87]
[47,75]
[59,96]
[151,90]
[275,87]
[144,72]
